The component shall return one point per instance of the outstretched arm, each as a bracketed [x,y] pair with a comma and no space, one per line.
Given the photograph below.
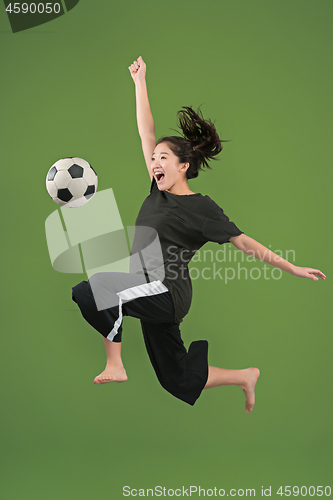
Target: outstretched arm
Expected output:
[144,115]
[252,247]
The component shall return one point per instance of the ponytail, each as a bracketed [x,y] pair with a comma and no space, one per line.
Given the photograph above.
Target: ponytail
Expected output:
[199,142]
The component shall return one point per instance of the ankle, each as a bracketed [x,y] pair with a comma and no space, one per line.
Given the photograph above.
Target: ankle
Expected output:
[114,363]
[244,379]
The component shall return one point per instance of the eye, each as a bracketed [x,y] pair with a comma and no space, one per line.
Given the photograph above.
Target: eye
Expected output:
[163,157]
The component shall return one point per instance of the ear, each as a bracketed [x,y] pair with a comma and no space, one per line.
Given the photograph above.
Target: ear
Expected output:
[184,167]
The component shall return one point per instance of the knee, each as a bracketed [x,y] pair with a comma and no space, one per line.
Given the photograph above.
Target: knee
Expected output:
[82,295]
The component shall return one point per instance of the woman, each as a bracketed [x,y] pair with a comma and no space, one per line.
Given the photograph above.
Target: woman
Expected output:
[160,295]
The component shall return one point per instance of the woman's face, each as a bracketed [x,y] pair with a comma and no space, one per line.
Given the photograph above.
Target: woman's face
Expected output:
[166,168]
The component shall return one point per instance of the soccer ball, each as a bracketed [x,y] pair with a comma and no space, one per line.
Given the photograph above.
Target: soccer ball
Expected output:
[71,182]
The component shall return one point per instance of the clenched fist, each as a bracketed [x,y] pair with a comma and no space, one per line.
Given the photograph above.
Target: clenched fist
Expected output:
[138,69]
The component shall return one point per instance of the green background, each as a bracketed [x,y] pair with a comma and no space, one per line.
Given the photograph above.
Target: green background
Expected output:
[263,70]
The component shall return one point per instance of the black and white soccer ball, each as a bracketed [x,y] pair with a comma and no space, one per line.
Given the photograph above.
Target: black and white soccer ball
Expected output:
[71,182]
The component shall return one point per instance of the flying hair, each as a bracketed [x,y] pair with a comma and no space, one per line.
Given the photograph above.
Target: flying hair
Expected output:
[199,142]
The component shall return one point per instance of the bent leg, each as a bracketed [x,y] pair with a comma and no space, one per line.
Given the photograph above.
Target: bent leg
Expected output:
[103,301]
[245,379]
[103,321]
[181,372]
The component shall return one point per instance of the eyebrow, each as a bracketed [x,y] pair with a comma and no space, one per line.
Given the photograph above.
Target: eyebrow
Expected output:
[162,153]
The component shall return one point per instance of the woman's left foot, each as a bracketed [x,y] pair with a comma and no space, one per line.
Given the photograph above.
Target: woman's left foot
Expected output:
[111,374]
[251,377]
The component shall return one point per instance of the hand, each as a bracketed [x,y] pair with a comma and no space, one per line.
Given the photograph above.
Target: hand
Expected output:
[138,70]
[308,272]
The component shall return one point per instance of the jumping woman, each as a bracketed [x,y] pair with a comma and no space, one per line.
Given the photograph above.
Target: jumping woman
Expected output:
[158,289]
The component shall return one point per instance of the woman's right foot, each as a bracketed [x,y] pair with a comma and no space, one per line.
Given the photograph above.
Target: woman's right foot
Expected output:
[251,377]
[111,374]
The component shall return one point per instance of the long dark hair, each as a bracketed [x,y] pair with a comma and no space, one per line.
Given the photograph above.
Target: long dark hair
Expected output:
[198,144]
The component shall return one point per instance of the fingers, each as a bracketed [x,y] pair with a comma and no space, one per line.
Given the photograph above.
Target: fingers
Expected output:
[317,273]
[135,66]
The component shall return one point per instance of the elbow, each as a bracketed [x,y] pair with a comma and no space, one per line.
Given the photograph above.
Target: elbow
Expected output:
[239,242]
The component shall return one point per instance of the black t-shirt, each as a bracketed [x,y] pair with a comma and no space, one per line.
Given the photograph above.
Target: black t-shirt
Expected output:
[184,223]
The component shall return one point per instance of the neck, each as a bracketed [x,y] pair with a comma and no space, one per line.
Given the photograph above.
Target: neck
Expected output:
[180,188]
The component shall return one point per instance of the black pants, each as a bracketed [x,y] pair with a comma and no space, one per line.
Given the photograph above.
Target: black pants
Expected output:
[107,297]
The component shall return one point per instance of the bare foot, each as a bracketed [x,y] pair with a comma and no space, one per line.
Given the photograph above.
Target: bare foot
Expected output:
[111,374]
[251,377]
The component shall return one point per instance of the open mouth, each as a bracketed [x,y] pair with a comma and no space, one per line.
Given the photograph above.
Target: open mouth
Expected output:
[159,176]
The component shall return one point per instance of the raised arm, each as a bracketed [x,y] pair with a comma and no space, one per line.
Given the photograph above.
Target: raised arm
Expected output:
[252,247]
[144,115]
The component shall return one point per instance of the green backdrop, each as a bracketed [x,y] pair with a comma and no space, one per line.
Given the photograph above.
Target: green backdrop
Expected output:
[263,71]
